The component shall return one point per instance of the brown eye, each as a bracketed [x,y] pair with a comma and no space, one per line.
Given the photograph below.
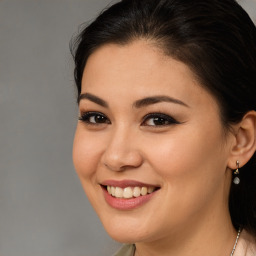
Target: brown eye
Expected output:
[97,119]
[94,118]
[158,119]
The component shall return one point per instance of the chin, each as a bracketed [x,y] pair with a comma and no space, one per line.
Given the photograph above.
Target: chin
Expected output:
[123,238]
[125,231]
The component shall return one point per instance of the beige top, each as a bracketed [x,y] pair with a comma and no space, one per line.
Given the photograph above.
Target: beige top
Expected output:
[246,246]
[126,250]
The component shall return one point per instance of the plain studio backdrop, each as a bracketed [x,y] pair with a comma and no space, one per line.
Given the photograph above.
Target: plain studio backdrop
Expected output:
[43,208]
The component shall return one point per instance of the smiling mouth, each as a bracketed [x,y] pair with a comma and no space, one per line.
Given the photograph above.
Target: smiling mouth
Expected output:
[129,192]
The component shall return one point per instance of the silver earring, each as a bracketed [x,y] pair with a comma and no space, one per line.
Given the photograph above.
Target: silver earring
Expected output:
[236,179]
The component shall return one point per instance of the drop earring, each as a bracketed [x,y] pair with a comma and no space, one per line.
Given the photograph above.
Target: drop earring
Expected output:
[236,179]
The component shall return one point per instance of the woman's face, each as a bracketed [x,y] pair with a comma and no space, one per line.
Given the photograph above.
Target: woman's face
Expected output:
[152,136]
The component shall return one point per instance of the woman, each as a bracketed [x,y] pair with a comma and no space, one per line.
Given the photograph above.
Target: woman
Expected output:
[166,138]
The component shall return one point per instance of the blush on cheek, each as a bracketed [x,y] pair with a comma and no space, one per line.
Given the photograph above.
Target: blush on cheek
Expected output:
[86,155]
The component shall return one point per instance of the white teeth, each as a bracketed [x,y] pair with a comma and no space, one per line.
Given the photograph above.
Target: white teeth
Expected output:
[144,191]
[118,192]
[129,192]
[136,192]
[113,190]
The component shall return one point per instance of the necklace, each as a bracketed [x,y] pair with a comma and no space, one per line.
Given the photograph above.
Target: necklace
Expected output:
[237,237]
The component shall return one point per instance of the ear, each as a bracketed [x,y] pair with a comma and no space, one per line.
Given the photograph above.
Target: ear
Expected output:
[244,145]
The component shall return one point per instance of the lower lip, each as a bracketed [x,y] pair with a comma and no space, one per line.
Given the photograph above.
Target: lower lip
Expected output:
[126,204]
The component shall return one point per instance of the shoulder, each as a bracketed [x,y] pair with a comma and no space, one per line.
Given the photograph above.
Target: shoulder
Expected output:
[246,245]
[126,250]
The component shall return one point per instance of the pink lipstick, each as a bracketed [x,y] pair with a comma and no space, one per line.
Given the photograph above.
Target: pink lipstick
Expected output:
[127,194]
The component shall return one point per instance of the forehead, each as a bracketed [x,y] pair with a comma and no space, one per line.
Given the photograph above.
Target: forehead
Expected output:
[138,59]
[139,69]
[137,56]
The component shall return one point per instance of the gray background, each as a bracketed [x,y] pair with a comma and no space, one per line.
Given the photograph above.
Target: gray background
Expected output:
[43,209]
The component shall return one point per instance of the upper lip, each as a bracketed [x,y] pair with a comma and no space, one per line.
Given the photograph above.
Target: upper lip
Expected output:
[126,183]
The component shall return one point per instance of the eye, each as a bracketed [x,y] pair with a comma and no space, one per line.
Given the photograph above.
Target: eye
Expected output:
[158,119]
[94,118]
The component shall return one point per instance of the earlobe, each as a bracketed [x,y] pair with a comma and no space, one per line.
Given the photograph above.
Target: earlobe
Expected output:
[245,141]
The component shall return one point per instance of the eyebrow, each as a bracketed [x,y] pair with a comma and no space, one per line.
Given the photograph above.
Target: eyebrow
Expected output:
[157,99]
[137,104]
[93,98]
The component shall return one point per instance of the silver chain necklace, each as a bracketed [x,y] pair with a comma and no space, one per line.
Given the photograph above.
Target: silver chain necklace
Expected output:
[237,237]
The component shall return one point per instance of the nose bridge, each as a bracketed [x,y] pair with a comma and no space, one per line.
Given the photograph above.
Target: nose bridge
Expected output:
[121,150]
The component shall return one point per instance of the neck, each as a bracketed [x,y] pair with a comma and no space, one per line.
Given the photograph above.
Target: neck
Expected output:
[208,234]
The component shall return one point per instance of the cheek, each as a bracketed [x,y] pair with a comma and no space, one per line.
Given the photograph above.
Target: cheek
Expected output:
[190,160]
[86,154]
[192,170]
[87,150]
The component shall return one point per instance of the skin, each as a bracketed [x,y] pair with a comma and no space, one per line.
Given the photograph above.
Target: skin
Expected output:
[188,160]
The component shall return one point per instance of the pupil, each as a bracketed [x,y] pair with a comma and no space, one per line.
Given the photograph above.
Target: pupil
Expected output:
[99,119]
[159,121]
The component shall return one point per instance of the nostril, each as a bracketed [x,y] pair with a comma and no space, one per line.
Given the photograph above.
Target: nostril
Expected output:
[123,162]
[114,168]
[120,168]
[121,154]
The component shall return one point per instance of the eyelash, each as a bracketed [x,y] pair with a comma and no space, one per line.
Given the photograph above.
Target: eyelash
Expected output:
[159,117]
[85,117]
[165,120]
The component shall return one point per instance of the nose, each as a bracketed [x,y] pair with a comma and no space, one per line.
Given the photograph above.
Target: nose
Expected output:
[122,152]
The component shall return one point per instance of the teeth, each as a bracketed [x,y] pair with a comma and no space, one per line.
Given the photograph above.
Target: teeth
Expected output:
[150,190]
[144,191]
[129,192]
[113,190]
[118,192]
[136,192]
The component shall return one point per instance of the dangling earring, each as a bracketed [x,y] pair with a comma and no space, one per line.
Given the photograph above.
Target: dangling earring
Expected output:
[236,179]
